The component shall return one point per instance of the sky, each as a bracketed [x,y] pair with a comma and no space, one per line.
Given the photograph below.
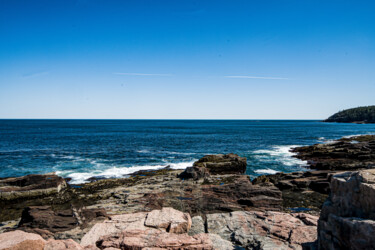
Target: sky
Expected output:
[92,59]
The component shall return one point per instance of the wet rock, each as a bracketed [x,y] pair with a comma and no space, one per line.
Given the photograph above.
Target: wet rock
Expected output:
[223,164]
[19,240]
[352,153]
[347,220]
[264,230]
[31,186]
[156,239]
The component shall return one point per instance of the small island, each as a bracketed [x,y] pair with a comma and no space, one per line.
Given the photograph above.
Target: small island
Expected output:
[364,114]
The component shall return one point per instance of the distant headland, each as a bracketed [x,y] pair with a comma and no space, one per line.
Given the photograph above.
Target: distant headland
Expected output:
[364,114]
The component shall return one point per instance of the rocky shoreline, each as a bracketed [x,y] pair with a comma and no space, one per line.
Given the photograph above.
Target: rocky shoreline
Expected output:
[211,205]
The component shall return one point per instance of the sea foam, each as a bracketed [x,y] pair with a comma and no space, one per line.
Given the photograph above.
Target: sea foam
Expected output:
[117,172]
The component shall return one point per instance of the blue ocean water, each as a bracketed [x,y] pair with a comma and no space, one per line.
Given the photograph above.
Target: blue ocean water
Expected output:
[81,149]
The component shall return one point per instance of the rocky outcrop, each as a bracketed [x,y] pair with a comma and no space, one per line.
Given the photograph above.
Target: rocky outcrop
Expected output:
[352,153]
[215,164]
[347,220]
[47,222]
[308,190]
[195,173]
[170,229]
[31,186]
[155,239]
[19,240]
[167,220]
[264,230]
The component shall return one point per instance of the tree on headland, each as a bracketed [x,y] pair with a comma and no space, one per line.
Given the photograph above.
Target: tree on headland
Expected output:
[356,115]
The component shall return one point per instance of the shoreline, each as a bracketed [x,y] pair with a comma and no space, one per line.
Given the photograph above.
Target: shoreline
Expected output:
[214,188]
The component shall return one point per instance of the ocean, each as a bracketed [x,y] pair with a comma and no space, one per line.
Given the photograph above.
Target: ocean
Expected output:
[80,149]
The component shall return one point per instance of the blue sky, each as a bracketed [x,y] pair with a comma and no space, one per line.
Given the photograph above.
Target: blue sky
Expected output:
[185,59]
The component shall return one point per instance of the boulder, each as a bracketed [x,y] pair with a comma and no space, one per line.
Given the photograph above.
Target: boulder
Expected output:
[223,164]
[195,173]
[116,224]
[156,239]
[19,240]
[264,230]
[166,219]
[197,226]
[31,186]
[62,245]
[169,219]
[347,220]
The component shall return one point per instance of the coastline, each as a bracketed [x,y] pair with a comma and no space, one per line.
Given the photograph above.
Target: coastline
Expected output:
[213,187]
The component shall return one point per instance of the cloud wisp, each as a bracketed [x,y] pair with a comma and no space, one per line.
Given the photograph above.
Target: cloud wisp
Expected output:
[259,77]
[141,74]
[34,74]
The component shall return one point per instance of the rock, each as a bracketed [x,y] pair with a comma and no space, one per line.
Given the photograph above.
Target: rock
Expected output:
[31,186]
[19,240]
[115,225]
[223,164]
[62,245]
[351,153]
[169,219]
[156,239]
[241,194]
[166,219]
[197,226]
[195,172]
[347,220]
[264,230]
[46,222]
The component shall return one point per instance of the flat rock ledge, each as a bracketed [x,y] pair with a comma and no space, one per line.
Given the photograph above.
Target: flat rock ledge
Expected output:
[172,229]
[31,186]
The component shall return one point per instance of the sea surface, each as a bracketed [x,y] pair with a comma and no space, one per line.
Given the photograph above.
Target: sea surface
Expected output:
[81,149]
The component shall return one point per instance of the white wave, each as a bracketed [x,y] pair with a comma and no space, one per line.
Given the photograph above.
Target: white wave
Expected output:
[266,171]
[351,136]
[117,172]
[281,154]
[143,151]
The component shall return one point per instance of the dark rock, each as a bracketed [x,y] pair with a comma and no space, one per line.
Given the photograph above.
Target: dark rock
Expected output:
[223,164]
[196,173]
[352,153]
[31,186]
[44,221]
[237,194]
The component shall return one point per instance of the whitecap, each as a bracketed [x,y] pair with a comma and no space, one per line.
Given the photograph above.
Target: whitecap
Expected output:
[266,171]
[117,172]
[280,154]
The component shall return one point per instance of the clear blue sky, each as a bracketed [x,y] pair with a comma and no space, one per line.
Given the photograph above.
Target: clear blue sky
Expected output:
[185,59]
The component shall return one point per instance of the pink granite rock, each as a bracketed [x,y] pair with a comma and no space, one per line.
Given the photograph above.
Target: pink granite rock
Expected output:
[156,239]
[19,240]
[167,218]
[264,230]
[62,245]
